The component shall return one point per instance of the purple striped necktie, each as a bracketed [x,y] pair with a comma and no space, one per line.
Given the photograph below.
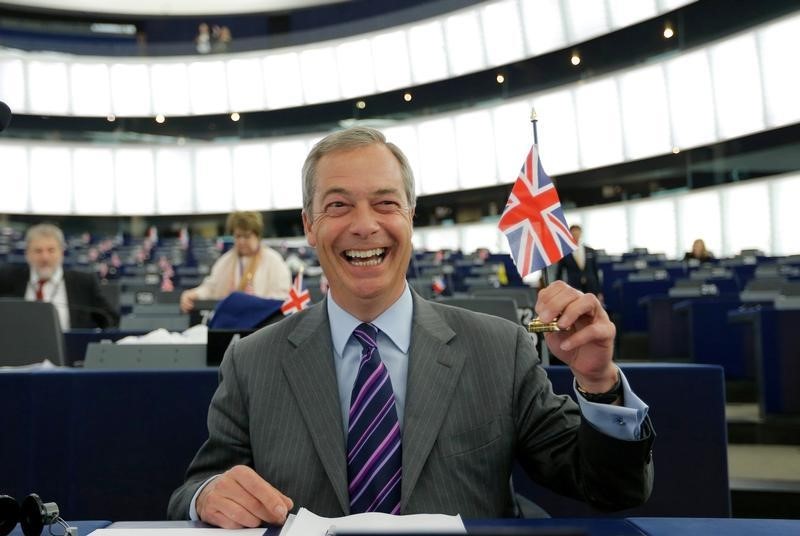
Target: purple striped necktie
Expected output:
[374,453]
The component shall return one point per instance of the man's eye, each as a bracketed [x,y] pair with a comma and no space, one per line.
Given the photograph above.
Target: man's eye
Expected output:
[336,208]
[387,206]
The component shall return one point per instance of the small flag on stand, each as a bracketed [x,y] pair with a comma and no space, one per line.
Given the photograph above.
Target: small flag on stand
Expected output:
[298,298]
[533,220]
[438,285]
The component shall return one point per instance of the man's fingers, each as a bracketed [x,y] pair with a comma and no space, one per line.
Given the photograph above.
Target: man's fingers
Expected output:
[238,515]
[272,505]
[596,332]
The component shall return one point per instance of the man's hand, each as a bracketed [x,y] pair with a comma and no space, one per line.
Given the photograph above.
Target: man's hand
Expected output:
[587,345]
[187,300]
[240,498]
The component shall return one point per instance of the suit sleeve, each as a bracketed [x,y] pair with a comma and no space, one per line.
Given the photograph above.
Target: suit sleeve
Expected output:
[560,449]
[107,316]
[228,442]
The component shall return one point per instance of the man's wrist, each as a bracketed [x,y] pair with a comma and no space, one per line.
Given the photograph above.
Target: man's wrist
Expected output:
[611,396]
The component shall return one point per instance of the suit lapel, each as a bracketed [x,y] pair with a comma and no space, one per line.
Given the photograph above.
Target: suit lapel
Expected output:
[311,375]
[433,372]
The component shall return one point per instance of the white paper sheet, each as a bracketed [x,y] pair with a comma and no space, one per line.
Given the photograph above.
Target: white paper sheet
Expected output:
[306,523]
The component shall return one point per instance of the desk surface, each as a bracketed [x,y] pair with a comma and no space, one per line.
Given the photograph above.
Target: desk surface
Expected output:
[632,526]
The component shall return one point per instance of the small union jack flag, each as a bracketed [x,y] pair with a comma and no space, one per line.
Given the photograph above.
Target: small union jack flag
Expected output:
[298,298]
[533,220]
[438,284]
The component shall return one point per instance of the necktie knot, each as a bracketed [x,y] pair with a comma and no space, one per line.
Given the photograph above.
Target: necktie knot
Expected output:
[367,335]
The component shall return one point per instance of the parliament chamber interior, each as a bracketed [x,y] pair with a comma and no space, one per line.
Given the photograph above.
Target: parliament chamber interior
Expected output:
[137,128]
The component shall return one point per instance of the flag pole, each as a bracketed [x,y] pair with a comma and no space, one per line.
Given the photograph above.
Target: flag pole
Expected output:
[543,278]
[536,325]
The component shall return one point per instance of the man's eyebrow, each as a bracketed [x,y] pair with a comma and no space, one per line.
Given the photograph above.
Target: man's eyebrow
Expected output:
[344,191]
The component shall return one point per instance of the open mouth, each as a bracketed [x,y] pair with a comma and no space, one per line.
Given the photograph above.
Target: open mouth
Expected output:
[365,257]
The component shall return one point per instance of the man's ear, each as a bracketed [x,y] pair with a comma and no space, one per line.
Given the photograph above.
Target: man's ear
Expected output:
[308,229]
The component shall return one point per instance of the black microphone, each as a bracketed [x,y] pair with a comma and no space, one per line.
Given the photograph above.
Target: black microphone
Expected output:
[5,116]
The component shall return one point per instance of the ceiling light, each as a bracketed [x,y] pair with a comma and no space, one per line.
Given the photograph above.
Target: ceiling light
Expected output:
[576,59]
[361,104]
[160,118]
[668,31]
[235,116]
[500,78]
[111,118]
[407,96]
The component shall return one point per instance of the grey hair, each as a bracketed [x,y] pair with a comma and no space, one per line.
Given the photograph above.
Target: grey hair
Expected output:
[345,140]
[45,230]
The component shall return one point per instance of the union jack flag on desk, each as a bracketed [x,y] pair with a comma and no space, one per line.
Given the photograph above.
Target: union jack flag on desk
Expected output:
[533,220]
[298,297]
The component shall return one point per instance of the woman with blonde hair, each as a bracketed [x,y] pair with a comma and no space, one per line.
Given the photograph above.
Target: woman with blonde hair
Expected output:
[247,267]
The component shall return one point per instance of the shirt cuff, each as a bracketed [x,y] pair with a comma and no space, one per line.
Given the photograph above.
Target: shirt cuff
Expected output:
[192,504]
[619,422]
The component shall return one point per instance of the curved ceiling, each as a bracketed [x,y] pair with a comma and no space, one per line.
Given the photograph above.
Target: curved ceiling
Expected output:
[167,7]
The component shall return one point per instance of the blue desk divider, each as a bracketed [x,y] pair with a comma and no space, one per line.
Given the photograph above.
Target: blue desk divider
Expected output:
[114,444]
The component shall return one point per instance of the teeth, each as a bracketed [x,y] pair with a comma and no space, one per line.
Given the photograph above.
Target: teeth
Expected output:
[363,254]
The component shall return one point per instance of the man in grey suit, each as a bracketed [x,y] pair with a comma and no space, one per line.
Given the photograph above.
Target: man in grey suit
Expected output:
[467,390]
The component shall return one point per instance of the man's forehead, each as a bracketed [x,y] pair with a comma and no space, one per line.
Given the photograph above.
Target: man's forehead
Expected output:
[44,242]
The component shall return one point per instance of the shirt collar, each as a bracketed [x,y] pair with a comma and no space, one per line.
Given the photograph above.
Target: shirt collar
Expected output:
[394,322]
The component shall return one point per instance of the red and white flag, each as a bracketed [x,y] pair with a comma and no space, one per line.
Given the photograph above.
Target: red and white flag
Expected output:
[298,298]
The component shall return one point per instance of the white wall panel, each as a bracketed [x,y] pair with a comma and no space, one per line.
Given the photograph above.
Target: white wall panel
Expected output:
[170,83]
[135,182]
[14,179]
[48,88]
[90,87]
[213,181]
[252,185]
[13,89]
[50,180]
[645,113]
[130,90]
[599,128]
[777,46]
[174,184]
[475,150]
[737,86]
[93,179]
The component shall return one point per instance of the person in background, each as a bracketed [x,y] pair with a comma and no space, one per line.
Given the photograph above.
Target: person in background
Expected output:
[247,267]
[203,39]
[579,269]
[376,399]
[699,252]
[75,295]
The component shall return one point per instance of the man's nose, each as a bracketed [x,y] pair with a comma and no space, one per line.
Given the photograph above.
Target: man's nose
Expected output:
[364,220]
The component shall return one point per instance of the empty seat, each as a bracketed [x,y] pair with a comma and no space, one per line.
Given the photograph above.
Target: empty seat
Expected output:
[30,332]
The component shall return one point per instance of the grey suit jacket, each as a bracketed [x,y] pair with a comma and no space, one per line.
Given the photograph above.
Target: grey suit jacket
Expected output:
[476,400]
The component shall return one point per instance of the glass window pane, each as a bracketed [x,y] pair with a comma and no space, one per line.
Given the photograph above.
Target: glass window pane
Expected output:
[48,87]
[91,89]
[390,58]
[599,129]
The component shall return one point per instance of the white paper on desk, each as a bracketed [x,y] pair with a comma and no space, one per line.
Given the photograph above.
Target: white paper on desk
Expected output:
[176,532]
[307,523]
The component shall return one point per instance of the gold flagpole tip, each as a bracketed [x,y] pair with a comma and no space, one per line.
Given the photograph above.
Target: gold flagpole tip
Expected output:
[534,117]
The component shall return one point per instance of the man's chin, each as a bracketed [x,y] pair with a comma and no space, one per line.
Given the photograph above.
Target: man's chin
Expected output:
[45,273]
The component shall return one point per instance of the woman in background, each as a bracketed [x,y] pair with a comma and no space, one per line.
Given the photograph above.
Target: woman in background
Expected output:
[247,267]
[699,252]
